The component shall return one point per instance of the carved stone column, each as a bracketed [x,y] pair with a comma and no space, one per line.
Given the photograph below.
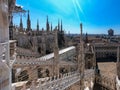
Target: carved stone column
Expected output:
[56,56]
[81,66]
[5,74]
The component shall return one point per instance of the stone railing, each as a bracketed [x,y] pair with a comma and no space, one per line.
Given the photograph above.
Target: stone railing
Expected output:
[44,60]
[57,82]
[29,62]
[23,54]
[12,52]
[2,51]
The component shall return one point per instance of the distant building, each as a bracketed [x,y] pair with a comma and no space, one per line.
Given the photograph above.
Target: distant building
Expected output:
[110,32]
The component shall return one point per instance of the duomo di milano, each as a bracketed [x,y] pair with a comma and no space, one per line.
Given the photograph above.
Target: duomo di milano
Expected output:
[39,41]
[41,59]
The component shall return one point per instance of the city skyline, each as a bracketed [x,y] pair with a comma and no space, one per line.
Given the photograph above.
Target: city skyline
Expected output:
[97,17]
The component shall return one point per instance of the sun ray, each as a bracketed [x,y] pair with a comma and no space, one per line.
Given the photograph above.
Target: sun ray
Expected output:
[78,6]
[76,10]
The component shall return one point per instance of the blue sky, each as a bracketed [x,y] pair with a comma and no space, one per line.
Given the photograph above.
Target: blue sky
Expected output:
[97,16]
